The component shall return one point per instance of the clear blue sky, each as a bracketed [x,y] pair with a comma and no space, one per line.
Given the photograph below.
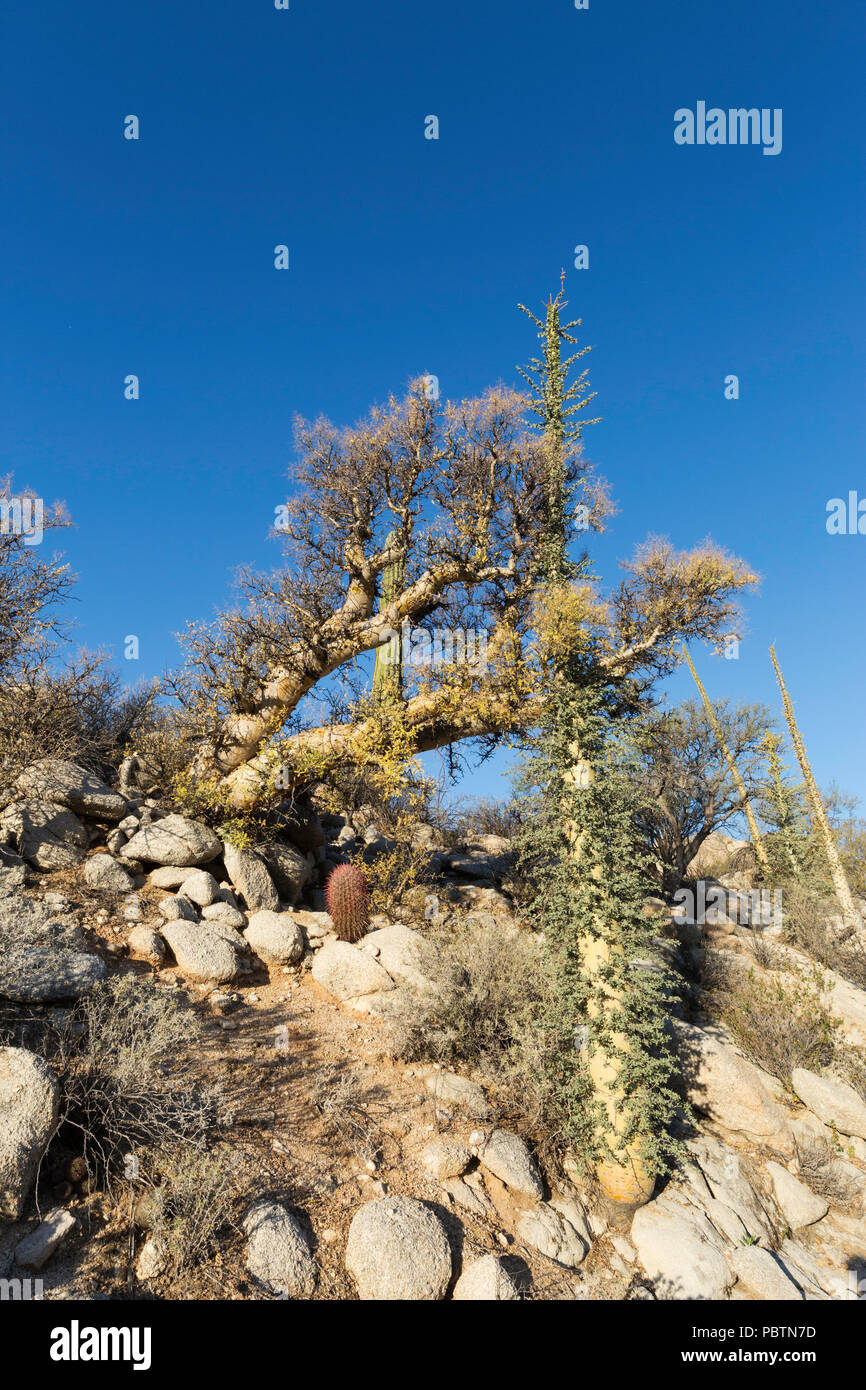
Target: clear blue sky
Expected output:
[409,255]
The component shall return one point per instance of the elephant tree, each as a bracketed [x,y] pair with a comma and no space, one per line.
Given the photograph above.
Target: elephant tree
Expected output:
[451,500]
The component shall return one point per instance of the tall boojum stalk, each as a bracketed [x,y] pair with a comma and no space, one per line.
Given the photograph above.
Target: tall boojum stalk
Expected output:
[623,1172]
[732,768]
[837,872]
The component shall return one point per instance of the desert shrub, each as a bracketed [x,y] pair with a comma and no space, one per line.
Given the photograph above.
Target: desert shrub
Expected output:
[780,1022]
[164,742]
[488,817]
[336,1096]
[483,1011]
[850,1066]
[76,711]
[807,918]
[851,838]
[391,874]
[193,1201]
[821,1170]
[461,819]
[764,954]
[54,703]
[114,1054]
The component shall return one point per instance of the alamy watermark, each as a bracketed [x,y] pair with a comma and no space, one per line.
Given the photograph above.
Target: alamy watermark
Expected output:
[20,1290]
[846,517]
[709,903]
[421,646]
[736,126]
[22,516]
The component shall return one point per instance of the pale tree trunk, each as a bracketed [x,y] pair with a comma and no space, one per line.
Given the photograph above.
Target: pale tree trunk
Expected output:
[837,872]
[625,1179]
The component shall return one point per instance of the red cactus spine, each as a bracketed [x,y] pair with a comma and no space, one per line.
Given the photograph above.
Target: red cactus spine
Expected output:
[348,898]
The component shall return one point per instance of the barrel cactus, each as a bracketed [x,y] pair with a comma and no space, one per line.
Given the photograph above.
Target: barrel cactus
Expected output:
[348,898]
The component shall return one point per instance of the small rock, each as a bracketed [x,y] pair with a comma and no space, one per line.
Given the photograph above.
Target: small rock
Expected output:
[173,840]
[799,1206]
[225,914]
[170,875]
[445,1158]
[549,1233]
[152,1260]
[28,1111]
[250,877]
[276,937]
[47,835]
[101,871]
[398,1250]
[200,888]
[201,952]
[278,1252]
[178,909]
[222,1003]
[402,952]
[288,868]
[469,1198]
[458,1090]
[67,784]
[37,1248]
[346,972]
[147,943]
[485,1280]
[509,1159]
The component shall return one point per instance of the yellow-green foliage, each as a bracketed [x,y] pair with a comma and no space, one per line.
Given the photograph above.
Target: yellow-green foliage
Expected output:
[567,619]
[391,874]
[209,800]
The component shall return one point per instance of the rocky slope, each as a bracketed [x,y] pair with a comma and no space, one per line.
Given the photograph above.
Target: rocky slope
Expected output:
[356,1175]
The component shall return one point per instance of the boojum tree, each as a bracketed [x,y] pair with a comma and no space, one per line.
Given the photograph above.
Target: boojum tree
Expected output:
[615,1087]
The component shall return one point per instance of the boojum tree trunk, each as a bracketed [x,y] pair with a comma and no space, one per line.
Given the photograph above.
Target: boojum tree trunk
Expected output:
[840,882]
[625,1179]
[755,833]
[624,1176]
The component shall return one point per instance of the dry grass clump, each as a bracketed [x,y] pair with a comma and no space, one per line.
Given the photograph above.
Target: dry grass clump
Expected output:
[336,1095]
[483,1011]
[116,1054]
[808,923]
[826,1176]
[780,1021]
[192,1204]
